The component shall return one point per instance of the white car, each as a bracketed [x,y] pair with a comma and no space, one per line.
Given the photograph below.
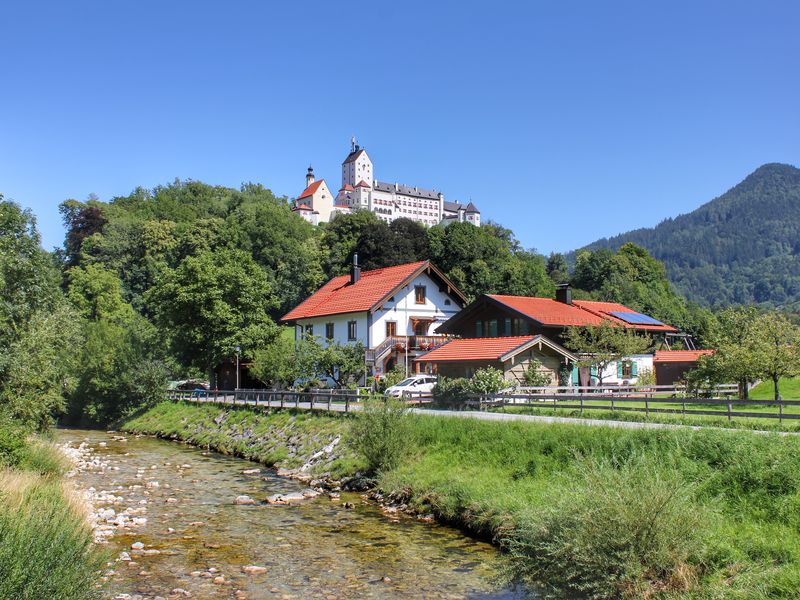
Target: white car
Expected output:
[412,386]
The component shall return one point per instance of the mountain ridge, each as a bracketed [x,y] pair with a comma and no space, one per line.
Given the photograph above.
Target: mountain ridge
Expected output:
[740,247]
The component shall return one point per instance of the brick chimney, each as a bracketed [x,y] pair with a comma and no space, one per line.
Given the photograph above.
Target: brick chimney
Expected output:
[564,293]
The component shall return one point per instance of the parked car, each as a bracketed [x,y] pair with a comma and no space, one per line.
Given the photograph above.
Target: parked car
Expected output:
[412,386]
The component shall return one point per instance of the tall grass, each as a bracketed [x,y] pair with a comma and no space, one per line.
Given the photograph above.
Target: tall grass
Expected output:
[45,543]
[382,433]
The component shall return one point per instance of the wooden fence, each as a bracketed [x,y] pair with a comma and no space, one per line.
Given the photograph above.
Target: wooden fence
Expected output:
[639,399]
[340,400]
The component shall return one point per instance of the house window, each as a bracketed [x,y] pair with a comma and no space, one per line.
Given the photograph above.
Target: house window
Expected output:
[329,330]
[524,327]
[391,328]
[309,330]
[421,328]
[627,369]
[493,328]
[419,294]
[352,331]
[478,328]
[447,302]
[507,326]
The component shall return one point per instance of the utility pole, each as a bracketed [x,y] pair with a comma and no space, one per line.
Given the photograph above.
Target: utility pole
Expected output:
[238,349]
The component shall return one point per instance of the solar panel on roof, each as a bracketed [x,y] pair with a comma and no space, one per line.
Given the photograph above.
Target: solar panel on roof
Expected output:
[635,318]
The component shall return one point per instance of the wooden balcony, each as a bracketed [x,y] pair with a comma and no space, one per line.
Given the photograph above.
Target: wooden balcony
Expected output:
[402,343]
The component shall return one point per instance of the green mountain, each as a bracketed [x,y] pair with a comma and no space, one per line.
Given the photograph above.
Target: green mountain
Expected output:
[742,247]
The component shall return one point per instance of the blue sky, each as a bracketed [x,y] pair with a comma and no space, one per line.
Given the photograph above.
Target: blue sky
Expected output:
[566,121]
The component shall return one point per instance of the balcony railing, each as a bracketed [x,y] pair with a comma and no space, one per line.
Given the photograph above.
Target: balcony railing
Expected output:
[412,343]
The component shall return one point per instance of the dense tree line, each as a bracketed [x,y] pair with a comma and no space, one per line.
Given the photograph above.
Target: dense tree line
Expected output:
[173,281]
[742,247]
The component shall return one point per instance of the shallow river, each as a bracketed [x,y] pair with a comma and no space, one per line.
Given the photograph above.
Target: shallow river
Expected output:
[317,549]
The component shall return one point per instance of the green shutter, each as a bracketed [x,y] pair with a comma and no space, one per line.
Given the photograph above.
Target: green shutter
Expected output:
[619,369]
[634,369]
[593,371]
[575,379]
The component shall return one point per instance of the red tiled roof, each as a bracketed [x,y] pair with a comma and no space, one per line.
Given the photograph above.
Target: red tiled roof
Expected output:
[363,183]
[302,207]
[347,188]
[309,191]
[464,349]
[548,311]
[340,296]
[603,309]
[680,355]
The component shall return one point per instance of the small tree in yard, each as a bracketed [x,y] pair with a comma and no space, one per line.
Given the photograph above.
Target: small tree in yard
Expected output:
[488,381]
[534,376]
[604,344]
[343,363]
[774,342]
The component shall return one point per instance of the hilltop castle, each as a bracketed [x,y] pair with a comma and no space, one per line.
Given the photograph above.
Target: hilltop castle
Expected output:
[390,201]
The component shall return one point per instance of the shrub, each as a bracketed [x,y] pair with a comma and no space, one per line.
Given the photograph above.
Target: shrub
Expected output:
[488,380]
[12,442]
[452,393]
[626,531]
[393,377]
[381,433]
[534,376]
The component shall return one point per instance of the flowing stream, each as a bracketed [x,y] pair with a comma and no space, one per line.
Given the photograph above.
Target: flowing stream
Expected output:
[197,541]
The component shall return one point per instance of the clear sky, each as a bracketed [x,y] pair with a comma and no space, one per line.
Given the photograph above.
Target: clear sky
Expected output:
[566,121]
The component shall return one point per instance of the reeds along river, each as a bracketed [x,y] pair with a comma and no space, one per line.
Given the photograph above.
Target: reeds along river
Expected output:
[197,542]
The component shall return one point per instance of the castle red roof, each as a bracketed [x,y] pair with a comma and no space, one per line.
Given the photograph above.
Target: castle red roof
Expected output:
[680,355]
[363,183]
[309,191]
[302,207]
[347,188]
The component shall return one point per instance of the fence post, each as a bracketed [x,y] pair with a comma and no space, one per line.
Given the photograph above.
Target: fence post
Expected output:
[347,402]
[329,402]
[646,407]
[780,410]
[730,408]
[581,405]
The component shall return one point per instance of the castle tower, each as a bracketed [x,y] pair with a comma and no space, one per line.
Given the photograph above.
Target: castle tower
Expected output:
[357,167]
[310,176]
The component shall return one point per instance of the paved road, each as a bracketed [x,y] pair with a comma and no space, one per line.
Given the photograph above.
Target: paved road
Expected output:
[480,415]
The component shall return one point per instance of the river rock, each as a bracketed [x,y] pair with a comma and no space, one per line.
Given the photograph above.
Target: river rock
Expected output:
[251,471]
[244,499]
[219,580]
[137,546]
[254,570]
[181,592]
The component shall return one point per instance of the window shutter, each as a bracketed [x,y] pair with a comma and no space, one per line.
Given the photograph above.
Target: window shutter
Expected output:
[593,371]
[634,369]
[575,380]
[619,369]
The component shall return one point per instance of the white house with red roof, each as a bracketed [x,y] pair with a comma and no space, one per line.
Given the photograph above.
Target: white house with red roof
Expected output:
[361,190]
[393,312]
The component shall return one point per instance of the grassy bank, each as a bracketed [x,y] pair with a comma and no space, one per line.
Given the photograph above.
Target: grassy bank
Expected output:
[286,439]
[596,511]
[45,542]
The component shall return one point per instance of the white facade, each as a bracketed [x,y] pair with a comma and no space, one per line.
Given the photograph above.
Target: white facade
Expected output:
[390,201]
[403,310]
[614,374]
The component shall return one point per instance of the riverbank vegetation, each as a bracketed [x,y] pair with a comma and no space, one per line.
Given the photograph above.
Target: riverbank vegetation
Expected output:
[46,548]
[603,512]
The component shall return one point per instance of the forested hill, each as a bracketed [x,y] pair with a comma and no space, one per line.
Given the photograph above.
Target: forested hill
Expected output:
[741,247]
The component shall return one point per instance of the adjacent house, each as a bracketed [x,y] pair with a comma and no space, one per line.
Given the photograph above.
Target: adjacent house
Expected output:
[512,355]
[547,319]
[393,312]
